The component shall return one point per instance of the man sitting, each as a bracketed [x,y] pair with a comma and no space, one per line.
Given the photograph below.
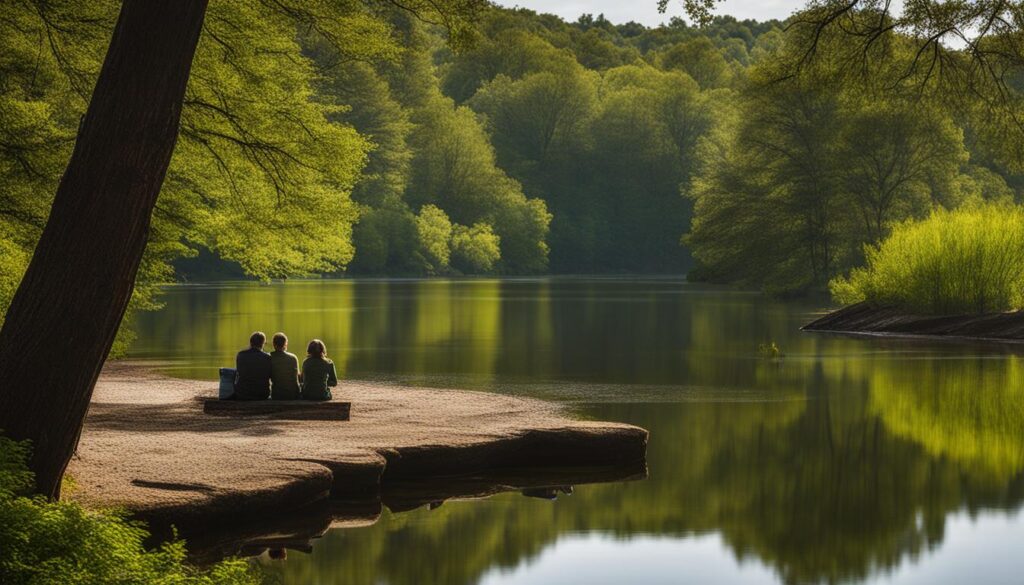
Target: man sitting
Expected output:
[252,370]
[284,370]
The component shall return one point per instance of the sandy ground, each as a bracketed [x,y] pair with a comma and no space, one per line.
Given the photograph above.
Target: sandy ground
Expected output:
[148,448]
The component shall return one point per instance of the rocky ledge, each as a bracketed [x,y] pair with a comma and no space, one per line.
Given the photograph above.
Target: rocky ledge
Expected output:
[147,448]
[873,319]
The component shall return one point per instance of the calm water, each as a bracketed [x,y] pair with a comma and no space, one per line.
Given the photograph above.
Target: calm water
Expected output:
[849,460]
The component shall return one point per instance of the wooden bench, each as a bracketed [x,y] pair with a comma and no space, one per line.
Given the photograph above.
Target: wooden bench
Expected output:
[282,409]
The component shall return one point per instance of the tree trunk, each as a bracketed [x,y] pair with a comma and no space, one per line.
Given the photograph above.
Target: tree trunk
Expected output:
[64,316]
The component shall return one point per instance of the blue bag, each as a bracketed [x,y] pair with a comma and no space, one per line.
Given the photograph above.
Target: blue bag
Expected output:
[227,383]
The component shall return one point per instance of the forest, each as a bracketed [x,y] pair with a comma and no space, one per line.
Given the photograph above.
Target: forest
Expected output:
[850,149]
[544,147]
[538,146]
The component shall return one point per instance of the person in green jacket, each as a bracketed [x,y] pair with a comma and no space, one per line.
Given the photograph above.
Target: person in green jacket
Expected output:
[318,373]
[284,371]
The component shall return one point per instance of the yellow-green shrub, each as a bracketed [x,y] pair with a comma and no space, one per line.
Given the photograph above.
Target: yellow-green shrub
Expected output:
[964,261]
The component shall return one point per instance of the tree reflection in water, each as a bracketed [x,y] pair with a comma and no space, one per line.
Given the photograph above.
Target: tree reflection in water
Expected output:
[840,462]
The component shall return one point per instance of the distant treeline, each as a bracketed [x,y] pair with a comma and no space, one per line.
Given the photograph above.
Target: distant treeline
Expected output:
[589,147]
[539,146]
[595,124]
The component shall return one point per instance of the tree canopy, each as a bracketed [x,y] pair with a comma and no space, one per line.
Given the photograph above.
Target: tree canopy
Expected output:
[332,137]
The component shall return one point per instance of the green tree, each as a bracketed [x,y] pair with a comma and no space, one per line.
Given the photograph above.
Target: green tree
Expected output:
[81,283]
[977,184]
[386,240]
[964,53]
[807,171]
[529,117]
[644,136]
[364,100]
[894,156]
[455,169]
[766,209]
[509,45]
[700,59]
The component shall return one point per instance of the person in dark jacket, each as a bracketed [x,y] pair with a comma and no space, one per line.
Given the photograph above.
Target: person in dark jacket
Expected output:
[318,373]
[252,370]
[284,370]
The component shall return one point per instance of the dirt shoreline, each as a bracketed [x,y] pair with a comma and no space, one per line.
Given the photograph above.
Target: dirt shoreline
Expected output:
[147,448]
[868,319]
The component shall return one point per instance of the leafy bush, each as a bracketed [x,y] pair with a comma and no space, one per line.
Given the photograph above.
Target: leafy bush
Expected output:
[434,230]
[970,260]
[43,543]
[475,250]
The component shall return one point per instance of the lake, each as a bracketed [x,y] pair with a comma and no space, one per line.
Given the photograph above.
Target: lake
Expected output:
[846,460]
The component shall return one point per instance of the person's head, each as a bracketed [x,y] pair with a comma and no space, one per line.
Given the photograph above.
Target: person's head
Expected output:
[280,341]
[316,349]
[257,340]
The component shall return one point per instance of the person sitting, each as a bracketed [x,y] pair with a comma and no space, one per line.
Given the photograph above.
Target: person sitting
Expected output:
[252,370]
[318,373]
[284,370]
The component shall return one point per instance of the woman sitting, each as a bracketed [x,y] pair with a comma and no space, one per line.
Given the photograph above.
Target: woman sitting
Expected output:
[318,373]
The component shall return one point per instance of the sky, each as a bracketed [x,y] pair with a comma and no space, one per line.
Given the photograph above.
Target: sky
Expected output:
[646,11]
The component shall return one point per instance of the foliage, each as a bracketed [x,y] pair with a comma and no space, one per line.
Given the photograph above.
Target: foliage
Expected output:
[801,173]
[315,136]
[386,239]
[314,133]
[766,194]
[699,58]
[264,165]
[63,543]
[475,249]
[606,147]
[549,140]
[898,158]
[259,173]
[966,261]
[435,233]
[429,155]
[700,11]
[454,168]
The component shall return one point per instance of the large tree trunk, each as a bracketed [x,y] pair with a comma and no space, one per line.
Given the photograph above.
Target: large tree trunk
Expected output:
[63,319]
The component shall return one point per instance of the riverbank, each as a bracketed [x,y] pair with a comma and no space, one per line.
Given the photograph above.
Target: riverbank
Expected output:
[870,319]
[148,448]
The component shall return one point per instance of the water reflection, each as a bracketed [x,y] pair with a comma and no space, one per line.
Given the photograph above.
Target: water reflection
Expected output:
[297,530]
[848,460]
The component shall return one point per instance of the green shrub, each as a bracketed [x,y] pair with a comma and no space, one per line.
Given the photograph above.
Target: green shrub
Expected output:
[434,230]
[44,543]
[475,250]
[965,261]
